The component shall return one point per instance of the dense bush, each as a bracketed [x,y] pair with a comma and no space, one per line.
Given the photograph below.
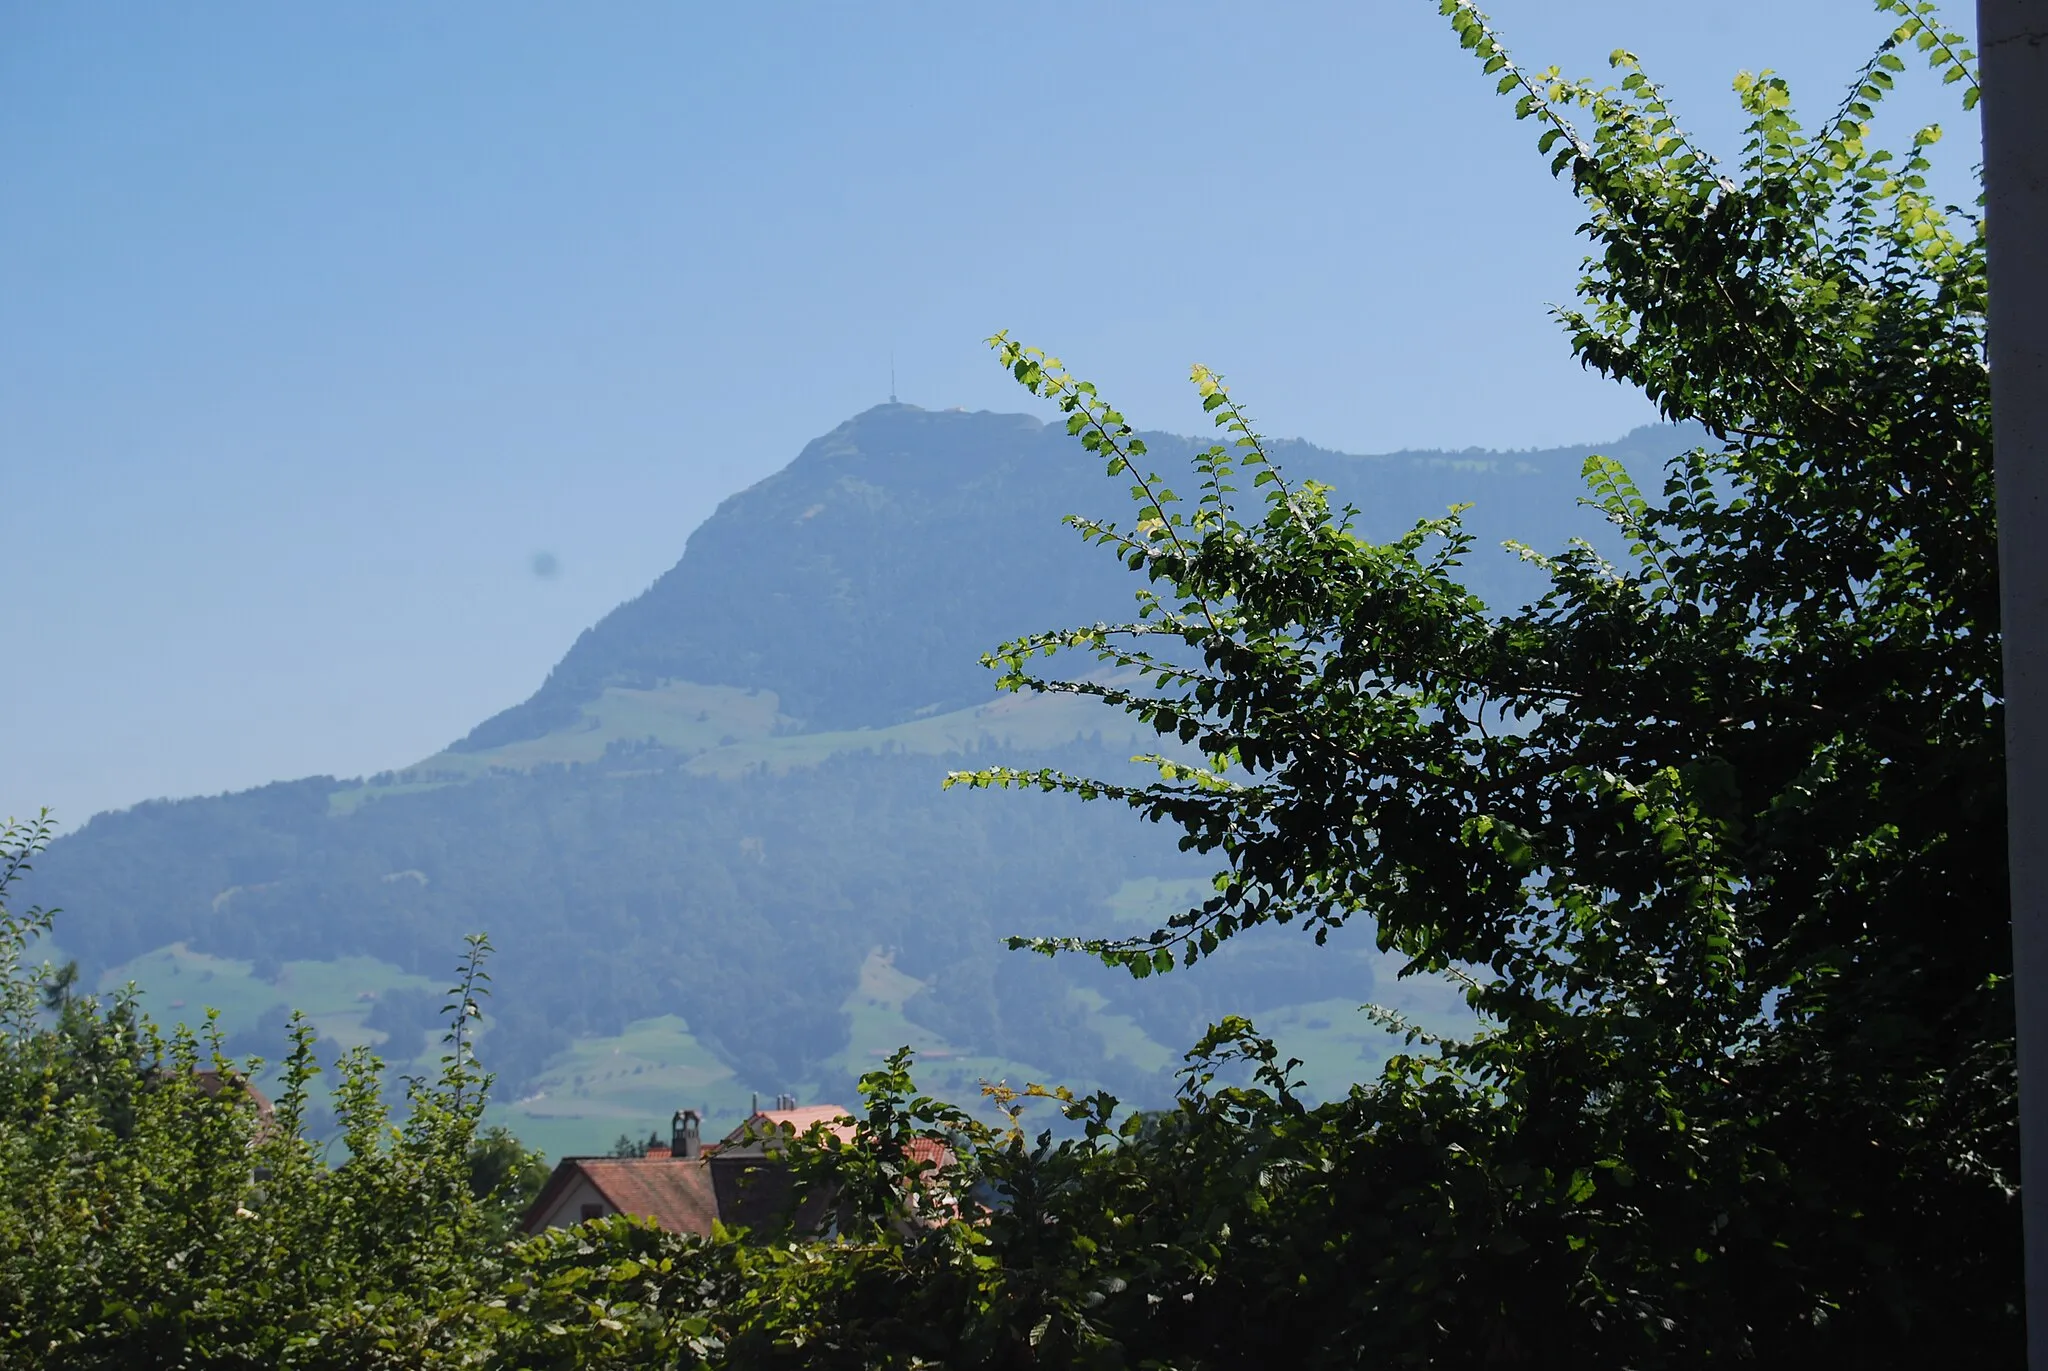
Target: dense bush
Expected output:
[155,1211]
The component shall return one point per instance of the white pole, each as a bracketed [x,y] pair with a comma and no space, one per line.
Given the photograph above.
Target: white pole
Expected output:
[2012,42]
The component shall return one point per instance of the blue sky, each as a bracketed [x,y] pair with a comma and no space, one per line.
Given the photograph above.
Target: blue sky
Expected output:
[318,324]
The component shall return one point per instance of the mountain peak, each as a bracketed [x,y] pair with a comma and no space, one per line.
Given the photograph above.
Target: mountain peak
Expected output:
[849,581]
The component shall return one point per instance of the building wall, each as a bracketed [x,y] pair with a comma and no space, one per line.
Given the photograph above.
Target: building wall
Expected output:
[568,1210]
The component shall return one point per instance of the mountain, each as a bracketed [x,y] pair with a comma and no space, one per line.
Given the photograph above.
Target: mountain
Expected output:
[861,582]
[711,848]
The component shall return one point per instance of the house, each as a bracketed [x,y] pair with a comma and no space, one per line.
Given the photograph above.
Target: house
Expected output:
[685,1185]
[215,1084]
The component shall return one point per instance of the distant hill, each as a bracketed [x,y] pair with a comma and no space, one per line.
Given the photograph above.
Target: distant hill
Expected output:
[720,812]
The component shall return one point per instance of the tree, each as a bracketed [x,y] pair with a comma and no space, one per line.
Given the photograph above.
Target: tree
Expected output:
[505,1176]
[155,1211]
[1715,835]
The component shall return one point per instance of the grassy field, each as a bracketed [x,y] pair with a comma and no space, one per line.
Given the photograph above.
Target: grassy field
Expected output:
[1021,722]
[630,1084]
[178,986]
[1149,901]
[725,731]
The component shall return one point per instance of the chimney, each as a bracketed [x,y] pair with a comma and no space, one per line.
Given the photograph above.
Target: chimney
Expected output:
[686,1139]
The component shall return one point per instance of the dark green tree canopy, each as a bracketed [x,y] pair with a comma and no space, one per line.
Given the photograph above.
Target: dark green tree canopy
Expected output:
[1715,832]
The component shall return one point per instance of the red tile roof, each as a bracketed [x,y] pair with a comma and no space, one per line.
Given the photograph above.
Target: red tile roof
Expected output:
[930,1150]
[680,1194]
[835,1118]
[766,1122]
[674,1193]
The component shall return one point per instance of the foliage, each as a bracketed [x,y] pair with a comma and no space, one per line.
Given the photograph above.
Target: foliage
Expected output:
[154,1211]
[505,1176]
[1715,831]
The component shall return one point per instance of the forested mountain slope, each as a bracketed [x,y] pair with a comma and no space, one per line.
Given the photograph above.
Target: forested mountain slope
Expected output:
[723,803]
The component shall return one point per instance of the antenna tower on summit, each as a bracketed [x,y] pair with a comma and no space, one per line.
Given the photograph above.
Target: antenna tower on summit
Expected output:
[892,377]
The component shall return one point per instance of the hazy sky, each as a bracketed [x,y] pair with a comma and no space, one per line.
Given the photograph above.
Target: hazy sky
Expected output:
[322,327]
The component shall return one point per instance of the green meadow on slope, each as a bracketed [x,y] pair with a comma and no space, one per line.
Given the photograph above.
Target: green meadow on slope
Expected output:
[727,732]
